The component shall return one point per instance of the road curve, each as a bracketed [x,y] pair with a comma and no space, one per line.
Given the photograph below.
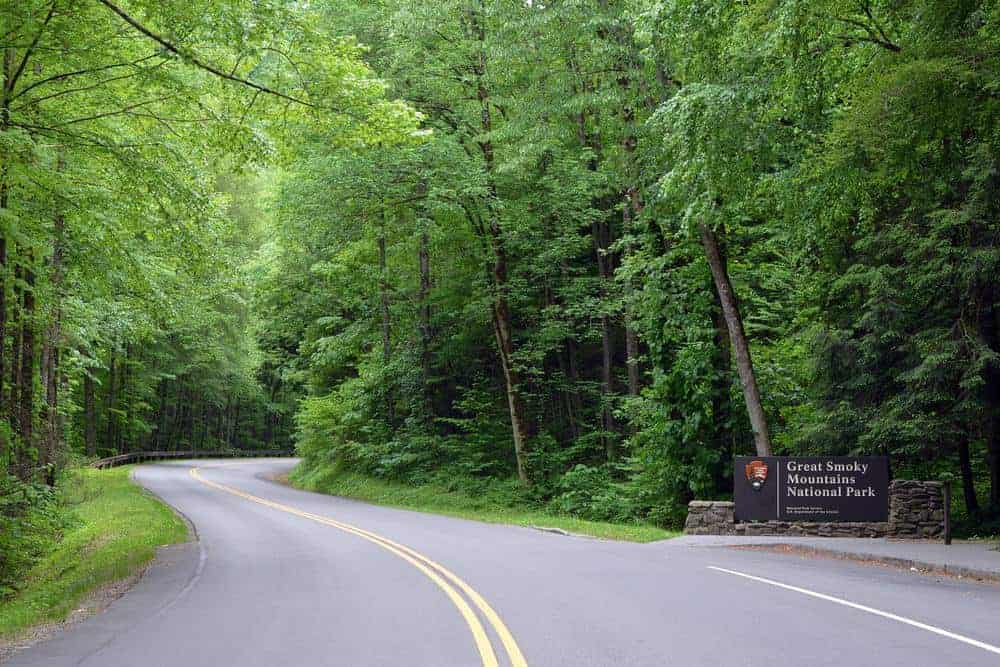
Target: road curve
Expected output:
[284,577]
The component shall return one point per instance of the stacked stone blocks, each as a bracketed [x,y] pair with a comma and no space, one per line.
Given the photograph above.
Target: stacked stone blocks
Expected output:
[916,511]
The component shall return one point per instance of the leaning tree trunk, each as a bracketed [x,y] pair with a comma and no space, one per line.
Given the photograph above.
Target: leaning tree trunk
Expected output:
[734,322]
[500,308]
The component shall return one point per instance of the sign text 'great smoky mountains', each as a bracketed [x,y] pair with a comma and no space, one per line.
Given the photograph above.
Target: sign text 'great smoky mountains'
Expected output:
[811,488]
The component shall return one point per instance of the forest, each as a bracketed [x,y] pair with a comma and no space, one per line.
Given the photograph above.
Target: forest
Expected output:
[573,254]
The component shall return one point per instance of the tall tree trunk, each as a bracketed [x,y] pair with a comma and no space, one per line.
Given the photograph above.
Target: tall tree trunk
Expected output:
[573,375]
[568,386]
[601,233]
[217,432]
[177,423]
[156,441]
[503,331]
[52,341]
[124,386]
[14,411]
[53,432]
[989,327]
[734,322]
[425,308]
[605,267]
[968,481]
[632,352]
[630,207]
[3,304]
[383,289]
[993,438]
[234,437]
[189,423]
[111,403]
[424,300]
[7,70]
[500,308]
[89,416]
[631,204]
[203,417]
[569,405]
[27,380]
[602,237]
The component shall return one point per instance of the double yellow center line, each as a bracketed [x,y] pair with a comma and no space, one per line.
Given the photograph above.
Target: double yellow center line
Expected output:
[443,578]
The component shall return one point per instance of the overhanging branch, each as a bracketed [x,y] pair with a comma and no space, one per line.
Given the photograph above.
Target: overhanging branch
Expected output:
[162,41]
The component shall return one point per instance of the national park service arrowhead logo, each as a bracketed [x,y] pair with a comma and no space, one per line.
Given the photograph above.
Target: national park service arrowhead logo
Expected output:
[756,474]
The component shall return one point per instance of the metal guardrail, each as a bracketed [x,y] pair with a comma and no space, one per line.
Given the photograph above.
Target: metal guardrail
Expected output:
[138,457]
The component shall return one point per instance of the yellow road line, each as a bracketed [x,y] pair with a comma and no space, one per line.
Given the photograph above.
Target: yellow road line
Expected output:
[422,563]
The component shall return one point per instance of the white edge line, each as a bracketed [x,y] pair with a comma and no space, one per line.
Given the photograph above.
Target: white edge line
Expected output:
[870,610]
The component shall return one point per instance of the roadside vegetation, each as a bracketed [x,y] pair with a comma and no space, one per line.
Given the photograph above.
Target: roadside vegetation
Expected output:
[99,527]
[467,500]
[644,237]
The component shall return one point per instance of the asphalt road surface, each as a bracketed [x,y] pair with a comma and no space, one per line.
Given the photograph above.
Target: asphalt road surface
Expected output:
[284,577]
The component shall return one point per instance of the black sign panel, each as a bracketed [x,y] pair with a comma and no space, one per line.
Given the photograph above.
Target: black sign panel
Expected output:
[811,488]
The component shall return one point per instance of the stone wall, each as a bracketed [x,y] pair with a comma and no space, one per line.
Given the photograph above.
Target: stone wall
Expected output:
[916,510]
[814,528]
[710,517]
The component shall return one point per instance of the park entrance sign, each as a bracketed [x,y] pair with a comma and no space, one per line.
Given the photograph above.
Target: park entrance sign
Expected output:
[811,488]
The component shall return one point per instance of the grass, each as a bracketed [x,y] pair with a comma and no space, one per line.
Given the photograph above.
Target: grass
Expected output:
[117,529]
[436,499]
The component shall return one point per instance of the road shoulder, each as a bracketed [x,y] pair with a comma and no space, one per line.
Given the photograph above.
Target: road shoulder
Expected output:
[976,560]
[120,545]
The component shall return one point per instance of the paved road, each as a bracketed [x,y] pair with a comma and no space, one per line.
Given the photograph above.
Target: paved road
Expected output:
[283,577]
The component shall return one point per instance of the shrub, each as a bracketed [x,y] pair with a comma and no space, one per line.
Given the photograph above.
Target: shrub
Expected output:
[32,518]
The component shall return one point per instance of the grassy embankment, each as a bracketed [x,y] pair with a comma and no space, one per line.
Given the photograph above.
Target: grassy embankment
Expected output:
[115,533]
[437,499]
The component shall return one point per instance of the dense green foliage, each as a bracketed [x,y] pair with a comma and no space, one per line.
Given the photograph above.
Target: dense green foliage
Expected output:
[596,248]
[526,292]
[485,501]
[131,143]
[31,521]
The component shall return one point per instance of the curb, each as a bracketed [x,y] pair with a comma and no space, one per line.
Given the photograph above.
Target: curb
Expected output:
[922,567]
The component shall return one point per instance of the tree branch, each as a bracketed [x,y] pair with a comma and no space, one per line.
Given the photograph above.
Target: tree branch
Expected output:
[31,49]
[79,72]
[81,89]
[118,112]
[195,61]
